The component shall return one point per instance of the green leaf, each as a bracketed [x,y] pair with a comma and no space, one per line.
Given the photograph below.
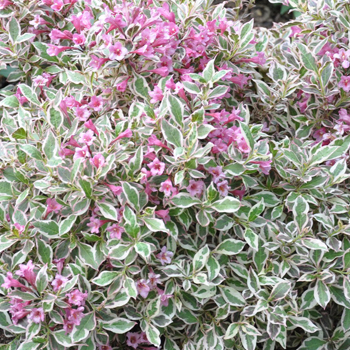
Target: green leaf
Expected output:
[86,325]
[187,316]
[143,249]
[303,323]
[307,58]
[48,228]
[247,135]
[32,151]
[313,343]
[118,325]
[314,243]
[260,256]
[300,211]
[130,287]
[14,29]
[153,335]
[105,278]
[231,331]
[141,87]
[120,251]
[230,247]
[86,187]
[176,109]
[132,195]
[256,210]
[88,255]
[209,71]
[67,224]
[172,134]
[226,205]
[200,259]
[29,94]
[155,225]
[279,291]
[322,294]
[10,101]
[251,238]
[108,211]
[44,252]
[20,134]
[184,200]
[232,296]
[75,77]
[56,117]
[42,279]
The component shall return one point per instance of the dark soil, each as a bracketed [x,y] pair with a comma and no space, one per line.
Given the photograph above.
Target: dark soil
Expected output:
[3,338]
[264,13]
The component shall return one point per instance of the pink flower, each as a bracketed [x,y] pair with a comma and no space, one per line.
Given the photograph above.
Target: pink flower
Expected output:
[345,83]
[87,138]
[97,62]
[195,188]
[96,103]
[40,81]
[142,288]
[165,256]
[166,187]
[11,282]
[82,153]
[82,113]
[164,298]
[153,141]
[76,315]
[59,264]
[163,71]
[122,85]
[343,57]
[56,50]
[239,193]
[295,31]
[117,51]
[79,39]
[4,4]
[52,206]
[264,165]
[104,347]
[37,315]
[115,231]
[68,326]
[117,190]
[98,160]
[164,214]
[76,297]
[37,21]
[153,279]
[133,340]
[95,224]
[223,187]
[19,228]
[27,272]
[217,173]
[125,134]
[344,116]
[156,94]
[90,125]
[57,5]
[17,309]
[157,167]
[59,282]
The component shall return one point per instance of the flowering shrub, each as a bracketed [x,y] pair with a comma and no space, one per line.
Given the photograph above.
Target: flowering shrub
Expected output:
[173,178]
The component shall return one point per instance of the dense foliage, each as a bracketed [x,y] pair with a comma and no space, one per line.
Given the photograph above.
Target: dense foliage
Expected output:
[172,178]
